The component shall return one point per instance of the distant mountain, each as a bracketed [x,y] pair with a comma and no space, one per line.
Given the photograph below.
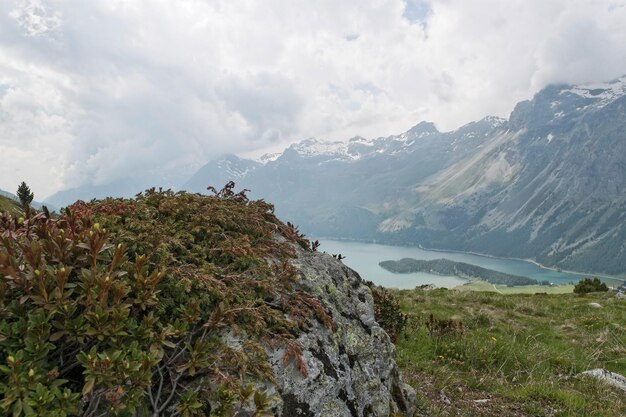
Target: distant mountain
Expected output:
[336,188]
[7,194]
[219,172]
[87,192]
[548,184]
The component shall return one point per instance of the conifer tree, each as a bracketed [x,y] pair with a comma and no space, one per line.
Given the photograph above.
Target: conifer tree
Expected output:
[25,195]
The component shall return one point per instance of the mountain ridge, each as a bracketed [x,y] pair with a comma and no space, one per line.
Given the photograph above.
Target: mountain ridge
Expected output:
[546,184]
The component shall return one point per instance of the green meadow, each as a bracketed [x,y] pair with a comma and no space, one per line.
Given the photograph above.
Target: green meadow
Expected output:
[471,353]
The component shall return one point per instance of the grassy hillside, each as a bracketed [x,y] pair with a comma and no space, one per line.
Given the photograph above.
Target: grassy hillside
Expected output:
[490,354]
[6,204]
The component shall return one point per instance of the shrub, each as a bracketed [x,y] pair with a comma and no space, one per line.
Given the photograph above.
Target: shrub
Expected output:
[387,311]
[588,285]
[121,307]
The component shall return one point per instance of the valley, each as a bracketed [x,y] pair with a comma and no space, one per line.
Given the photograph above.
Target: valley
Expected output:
[546,185]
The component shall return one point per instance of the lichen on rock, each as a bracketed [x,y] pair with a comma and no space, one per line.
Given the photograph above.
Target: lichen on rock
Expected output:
[351,370]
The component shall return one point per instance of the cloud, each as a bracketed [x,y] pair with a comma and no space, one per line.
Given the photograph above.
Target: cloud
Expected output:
[34,17]
[99,91]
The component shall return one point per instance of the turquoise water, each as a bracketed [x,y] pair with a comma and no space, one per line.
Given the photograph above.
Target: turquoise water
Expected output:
[364,258]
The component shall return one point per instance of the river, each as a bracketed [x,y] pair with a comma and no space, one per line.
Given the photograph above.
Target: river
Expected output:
[364,258]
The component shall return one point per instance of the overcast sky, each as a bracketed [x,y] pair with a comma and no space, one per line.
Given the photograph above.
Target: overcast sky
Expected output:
[93,91]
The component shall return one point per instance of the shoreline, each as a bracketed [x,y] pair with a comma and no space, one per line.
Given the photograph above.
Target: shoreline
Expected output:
[614,279]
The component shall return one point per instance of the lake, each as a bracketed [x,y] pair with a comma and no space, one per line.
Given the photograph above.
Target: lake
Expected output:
[364,258]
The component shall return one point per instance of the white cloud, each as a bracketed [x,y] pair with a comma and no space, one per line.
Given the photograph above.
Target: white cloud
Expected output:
[93,92]
[34,17]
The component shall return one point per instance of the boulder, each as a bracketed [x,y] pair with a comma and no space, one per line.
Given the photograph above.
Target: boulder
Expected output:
[351,370]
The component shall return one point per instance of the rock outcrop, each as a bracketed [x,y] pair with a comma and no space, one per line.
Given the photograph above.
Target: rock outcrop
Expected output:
[608,377]
[351,370]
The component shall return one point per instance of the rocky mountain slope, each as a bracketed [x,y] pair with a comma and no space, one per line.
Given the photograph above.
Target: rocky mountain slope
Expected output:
[336,188]
[547,184]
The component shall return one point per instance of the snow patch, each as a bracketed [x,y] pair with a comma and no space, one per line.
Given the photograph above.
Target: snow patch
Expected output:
[233,171]
[495,121]
[314,147]
[602,93]
[268,157]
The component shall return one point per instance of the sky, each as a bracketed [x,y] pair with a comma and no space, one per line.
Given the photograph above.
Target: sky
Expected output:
[98,91]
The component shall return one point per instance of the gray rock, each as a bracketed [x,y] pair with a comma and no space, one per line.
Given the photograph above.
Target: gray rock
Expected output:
[351,371]
[608,377]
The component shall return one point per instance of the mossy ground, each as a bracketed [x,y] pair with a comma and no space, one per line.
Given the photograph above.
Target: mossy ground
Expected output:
[515,355]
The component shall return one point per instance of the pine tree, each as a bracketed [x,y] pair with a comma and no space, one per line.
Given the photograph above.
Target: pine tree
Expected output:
[25,194]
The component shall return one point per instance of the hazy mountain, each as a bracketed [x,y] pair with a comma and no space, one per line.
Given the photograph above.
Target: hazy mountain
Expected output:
[548,184]
[336,188]
[8,194]
[219,172]
[125,187]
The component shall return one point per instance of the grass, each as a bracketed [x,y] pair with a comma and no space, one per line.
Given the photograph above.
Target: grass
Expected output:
[520,289]
[515,354]
[6,204]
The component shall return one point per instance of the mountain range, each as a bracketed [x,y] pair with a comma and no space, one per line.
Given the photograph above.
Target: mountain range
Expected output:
[547,184]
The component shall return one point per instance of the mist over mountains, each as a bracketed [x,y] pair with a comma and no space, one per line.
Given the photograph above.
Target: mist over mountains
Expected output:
[547,184]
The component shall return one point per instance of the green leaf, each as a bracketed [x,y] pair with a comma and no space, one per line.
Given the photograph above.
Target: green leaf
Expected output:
[56,336]
[88,385]
[28,410]
[169,344]
[17,408]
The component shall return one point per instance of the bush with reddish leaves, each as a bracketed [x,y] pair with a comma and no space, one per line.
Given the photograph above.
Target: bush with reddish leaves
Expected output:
[121,307]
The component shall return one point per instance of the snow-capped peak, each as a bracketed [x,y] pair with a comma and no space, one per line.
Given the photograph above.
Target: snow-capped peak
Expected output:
[602,93]
[422,129]
[314,147]
[232,165]
[494,121]
[360,140]
[268,157]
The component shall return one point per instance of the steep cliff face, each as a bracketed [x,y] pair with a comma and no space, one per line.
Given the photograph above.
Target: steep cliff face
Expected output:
[352,370]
